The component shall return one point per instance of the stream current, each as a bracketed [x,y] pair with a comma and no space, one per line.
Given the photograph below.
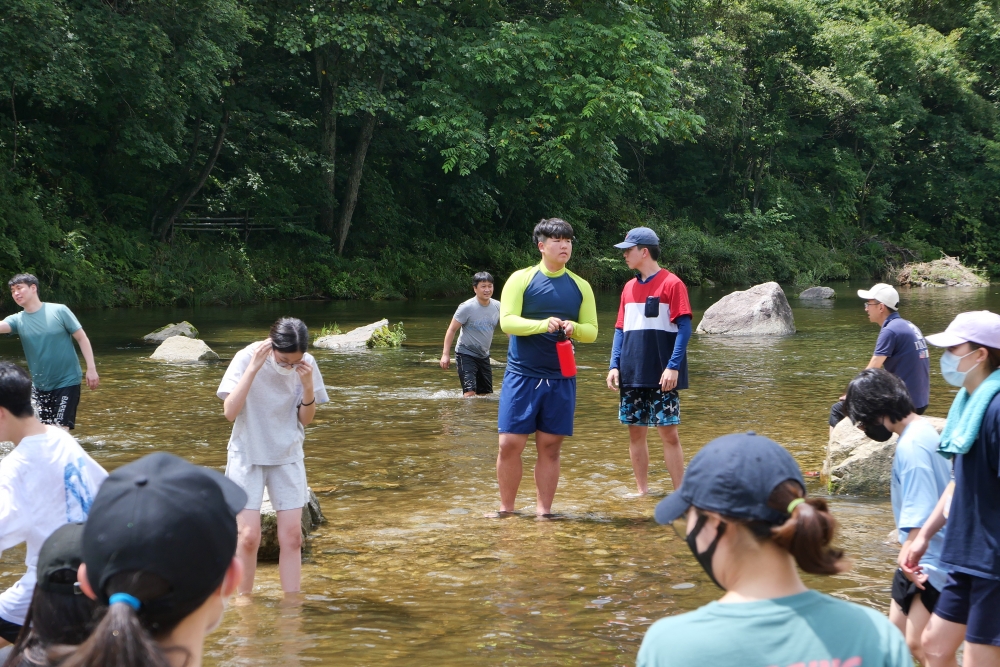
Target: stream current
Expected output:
[406,570]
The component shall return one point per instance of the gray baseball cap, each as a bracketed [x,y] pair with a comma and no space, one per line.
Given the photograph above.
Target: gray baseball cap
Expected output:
[639,236]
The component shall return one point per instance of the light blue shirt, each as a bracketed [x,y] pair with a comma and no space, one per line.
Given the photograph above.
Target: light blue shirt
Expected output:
[805,629]
[919,477]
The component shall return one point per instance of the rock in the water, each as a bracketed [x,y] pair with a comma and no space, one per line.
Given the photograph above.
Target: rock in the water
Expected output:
[355,339]
[818,293]
[944,272]
[312,516]
[761,310]
[180,349]
[857,465]
[181,329]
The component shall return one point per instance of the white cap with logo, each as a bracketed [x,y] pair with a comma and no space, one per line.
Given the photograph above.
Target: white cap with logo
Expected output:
[882,293]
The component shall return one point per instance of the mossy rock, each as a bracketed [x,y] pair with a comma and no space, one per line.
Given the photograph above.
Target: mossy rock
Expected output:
[944,272]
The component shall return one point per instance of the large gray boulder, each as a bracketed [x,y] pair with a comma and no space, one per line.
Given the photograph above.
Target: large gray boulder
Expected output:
[761,310]
[180,329]
[355,339]
[857,465]
[818,293]
[312,516]
[180,349]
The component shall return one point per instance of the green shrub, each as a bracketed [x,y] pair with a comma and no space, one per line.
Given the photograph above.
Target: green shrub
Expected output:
[384,337]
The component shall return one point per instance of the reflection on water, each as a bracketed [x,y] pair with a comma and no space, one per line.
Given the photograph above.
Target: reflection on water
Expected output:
[406,569]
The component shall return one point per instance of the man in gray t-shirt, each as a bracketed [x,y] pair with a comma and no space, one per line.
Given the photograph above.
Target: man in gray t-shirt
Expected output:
[477,318]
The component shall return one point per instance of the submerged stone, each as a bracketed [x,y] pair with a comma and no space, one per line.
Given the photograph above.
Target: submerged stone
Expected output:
[857,465]
[761,310]
[355,339]
[184,328]
[312,516]
[180,349]
[818,293]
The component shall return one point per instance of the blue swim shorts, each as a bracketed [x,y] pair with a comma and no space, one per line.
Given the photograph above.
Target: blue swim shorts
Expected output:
[973,602]
[530,404]
[649,406]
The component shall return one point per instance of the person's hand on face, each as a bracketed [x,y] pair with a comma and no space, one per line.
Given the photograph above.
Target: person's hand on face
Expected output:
[261,352]
[305,371]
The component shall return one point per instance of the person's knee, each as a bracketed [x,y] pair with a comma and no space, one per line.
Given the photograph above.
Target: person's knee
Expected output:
[249,538]
[934,643]
[511,448]
[836,413]
[290,537]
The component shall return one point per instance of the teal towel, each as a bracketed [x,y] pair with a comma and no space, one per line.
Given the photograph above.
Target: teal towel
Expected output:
[966,416]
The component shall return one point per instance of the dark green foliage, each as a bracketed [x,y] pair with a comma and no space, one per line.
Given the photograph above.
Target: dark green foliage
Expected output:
[390,149]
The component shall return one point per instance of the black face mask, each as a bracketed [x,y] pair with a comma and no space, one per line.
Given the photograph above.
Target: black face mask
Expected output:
[705,558]
[877,432]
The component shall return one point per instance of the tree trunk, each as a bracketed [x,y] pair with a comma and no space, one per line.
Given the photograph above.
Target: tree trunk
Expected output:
[328,85]
[354,179]
[168,225]
[172,190]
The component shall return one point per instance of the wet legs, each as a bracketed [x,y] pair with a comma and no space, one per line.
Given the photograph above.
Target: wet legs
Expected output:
[510,469]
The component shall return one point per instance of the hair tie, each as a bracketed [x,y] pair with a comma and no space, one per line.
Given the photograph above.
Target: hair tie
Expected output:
[795,503]
[125,598]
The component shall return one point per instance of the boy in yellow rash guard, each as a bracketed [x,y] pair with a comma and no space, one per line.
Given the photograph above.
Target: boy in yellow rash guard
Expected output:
[535,397]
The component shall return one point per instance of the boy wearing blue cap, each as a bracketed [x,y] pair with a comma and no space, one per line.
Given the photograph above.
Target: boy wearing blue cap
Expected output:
[649,355]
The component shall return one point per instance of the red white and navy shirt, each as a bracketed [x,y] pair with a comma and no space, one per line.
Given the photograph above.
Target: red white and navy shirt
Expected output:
[647,343]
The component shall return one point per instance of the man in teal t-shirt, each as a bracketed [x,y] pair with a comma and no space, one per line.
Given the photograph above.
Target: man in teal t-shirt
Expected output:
[47,331]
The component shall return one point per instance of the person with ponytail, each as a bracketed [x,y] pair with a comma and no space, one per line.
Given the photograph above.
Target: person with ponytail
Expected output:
[270,391]
[743,512]
[969,606]
[60,616]
[159,551]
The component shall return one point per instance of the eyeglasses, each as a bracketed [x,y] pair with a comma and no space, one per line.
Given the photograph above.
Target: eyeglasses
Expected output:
[282,364]
[871,303]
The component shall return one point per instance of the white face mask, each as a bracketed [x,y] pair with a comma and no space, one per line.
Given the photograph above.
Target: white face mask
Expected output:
[281,369]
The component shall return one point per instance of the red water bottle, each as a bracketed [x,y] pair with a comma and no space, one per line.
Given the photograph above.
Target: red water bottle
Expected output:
[567,360]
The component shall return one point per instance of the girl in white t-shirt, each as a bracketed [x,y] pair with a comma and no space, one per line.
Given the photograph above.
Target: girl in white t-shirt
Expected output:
[270,392]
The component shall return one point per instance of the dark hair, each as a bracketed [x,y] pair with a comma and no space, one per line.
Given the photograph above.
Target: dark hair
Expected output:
[482,277]
[552,228]
[124,637]
[15,390]
[55,623]
[808,532]
[23,279]
[877,393]
[654,250]
[993,355]
[289,334]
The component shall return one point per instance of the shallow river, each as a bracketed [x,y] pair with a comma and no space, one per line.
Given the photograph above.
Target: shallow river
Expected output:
[406,570]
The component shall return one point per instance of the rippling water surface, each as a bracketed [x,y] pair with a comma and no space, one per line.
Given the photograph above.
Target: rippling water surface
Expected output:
[406,570]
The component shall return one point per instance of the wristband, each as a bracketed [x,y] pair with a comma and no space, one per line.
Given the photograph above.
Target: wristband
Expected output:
[302,405]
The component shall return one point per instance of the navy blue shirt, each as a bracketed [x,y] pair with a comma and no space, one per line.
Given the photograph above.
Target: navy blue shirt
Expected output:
[972,541]
[906,355]
[544,297]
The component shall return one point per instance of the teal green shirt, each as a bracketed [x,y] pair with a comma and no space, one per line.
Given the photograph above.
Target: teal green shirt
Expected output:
[47,338]
[808,629]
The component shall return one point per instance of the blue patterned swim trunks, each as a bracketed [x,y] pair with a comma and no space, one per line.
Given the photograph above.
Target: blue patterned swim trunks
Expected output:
[649,406]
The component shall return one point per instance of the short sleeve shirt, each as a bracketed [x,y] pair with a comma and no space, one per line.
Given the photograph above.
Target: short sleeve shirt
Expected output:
[905,349]
[478,323]
[919,477]
[795,631]
[47,481]
[47,339]
[267,431]
[648,335]
[972,544]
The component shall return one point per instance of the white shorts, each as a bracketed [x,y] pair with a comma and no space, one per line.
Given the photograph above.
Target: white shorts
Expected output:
[286,484]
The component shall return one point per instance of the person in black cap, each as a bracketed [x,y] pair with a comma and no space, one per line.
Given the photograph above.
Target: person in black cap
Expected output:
[159,550]
[743,512]
[60,616]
